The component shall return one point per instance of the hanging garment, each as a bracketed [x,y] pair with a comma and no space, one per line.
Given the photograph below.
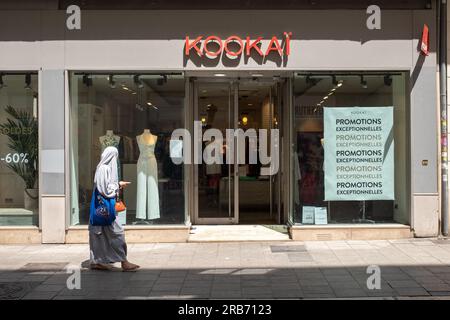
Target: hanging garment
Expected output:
[147,206]
[297,178]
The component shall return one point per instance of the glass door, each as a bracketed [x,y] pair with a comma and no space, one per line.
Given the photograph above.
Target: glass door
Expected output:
[258,116]
[214,173]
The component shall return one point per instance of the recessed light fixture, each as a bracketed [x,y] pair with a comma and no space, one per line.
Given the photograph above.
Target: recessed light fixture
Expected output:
[257,75]
[388,80]
[334,80]
[340,83]
[28,81]
[149,103]
[325,98]
[112,83]
[87,80]
[220,75]
[250,104]
[363,82]
[138,82]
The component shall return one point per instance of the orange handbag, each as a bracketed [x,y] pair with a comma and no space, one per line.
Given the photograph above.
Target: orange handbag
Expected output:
[120,205]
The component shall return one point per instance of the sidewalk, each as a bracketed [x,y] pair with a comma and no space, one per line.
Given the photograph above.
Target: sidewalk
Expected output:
[333,269]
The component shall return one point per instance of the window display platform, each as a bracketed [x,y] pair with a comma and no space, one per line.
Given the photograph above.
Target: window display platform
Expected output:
[18,217]
[388,231]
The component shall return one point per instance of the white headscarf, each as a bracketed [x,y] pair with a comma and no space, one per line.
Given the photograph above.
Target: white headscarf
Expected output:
[106,174]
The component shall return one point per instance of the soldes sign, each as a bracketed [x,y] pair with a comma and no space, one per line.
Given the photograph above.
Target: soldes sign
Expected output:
[234,46]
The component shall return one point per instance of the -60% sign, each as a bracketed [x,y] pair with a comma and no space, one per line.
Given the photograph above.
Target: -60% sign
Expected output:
[15,158]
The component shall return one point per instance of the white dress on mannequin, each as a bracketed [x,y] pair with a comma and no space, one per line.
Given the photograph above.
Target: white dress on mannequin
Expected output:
[147,206]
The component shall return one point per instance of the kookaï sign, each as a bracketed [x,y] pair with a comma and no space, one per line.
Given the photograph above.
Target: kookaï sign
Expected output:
[213,46]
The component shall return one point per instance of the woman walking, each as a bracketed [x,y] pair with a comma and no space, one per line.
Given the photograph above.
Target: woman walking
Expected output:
[107,242]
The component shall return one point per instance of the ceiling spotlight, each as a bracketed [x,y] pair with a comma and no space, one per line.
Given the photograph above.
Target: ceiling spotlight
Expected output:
[162,80]
[28,81]
[334,81]
[388,80]
[138,82]
[340,83]
[87,81]
[363,82]
[2,84]
[112,83]
[311,81]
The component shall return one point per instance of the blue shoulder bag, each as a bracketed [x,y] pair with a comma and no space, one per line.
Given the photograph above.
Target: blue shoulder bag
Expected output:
[102,210]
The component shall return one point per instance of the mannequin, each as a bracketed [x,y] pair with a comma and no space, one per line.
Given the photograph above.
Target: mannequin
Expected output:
[147,206]
[111,140]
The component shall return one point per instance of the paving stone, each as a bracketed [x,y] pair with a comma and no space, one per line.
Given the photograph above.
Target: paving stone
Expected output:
[289,293]
[50,287]
[140,284]
[207,284]
[380,293]
[167,287]
[313,282]
[135,292]
[75,292]
[16,290]
[300,257]
[411,292]
[314,295]
[162,294]
[345,285]
[339,278]
[436,286]
[349,293]
[403,284]
[440,293]
[317,289]
[58,297]
[102,295]
[40,295]
[257,283]
[226,295]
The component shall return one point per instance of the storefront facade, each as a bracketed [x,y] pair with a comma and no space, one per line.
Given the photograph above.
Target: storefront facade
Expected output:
[132,78]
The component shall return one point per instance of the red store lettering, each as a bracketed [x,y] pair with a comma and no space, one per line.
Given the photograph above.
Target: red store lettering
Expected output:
[205,47]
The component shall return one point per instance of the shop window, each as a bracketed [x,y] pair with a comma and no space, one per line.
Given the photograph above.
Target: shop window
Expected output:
[349,154]
[136,113]
[19,194]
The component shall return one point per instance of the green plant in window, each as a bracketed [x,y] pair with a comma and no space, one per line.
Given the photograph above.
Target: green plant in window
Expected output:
[22,130]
